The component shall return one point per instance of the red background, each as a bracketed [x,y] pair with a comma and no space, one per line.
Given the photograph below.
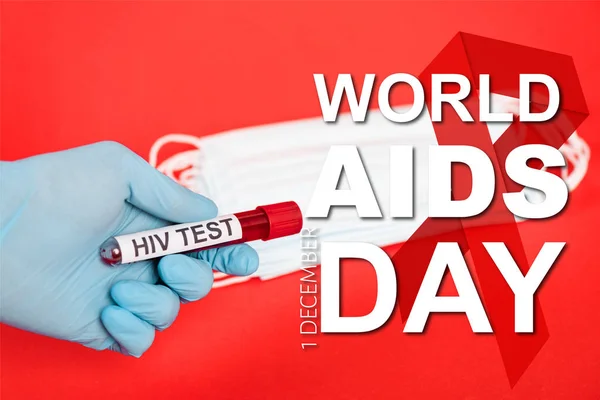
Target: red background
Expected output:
[79,72]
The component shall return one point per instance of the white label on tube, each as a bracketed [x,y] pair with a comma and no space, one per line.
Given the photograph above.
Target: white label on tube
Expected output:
[179,238]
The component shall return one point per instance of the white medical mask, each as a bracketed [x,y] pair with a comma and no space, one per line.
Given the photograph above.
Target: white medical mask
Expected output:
[244,168]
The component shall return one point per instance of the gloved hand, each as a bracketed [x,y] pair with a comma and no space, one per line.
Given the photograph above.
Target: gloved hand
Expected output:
[58,208]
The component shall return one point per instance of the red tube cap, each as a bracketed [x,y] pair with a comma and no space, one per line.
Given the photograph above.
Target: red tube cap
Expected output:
[284,219]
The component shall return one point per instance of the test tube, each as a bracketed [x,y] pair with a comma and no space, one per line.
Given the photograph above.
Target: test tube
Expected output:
[265,222]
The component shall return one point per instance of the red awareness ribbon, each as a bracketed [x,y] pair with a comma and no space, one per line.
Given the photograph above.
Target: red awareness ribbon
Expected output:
[472,55]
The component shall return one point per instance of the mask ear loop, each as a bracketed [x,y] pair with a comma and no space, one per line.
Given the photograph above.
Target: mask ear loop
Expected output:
[190,164]
[575,150]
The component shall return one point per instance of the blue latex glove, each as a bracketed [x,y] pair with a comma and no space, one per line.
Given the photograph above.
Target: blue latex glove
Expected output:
[58,208]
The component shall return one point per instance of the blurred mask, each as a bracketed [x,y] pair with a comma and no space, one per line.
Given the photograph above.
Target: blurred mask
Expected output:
[244,168]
